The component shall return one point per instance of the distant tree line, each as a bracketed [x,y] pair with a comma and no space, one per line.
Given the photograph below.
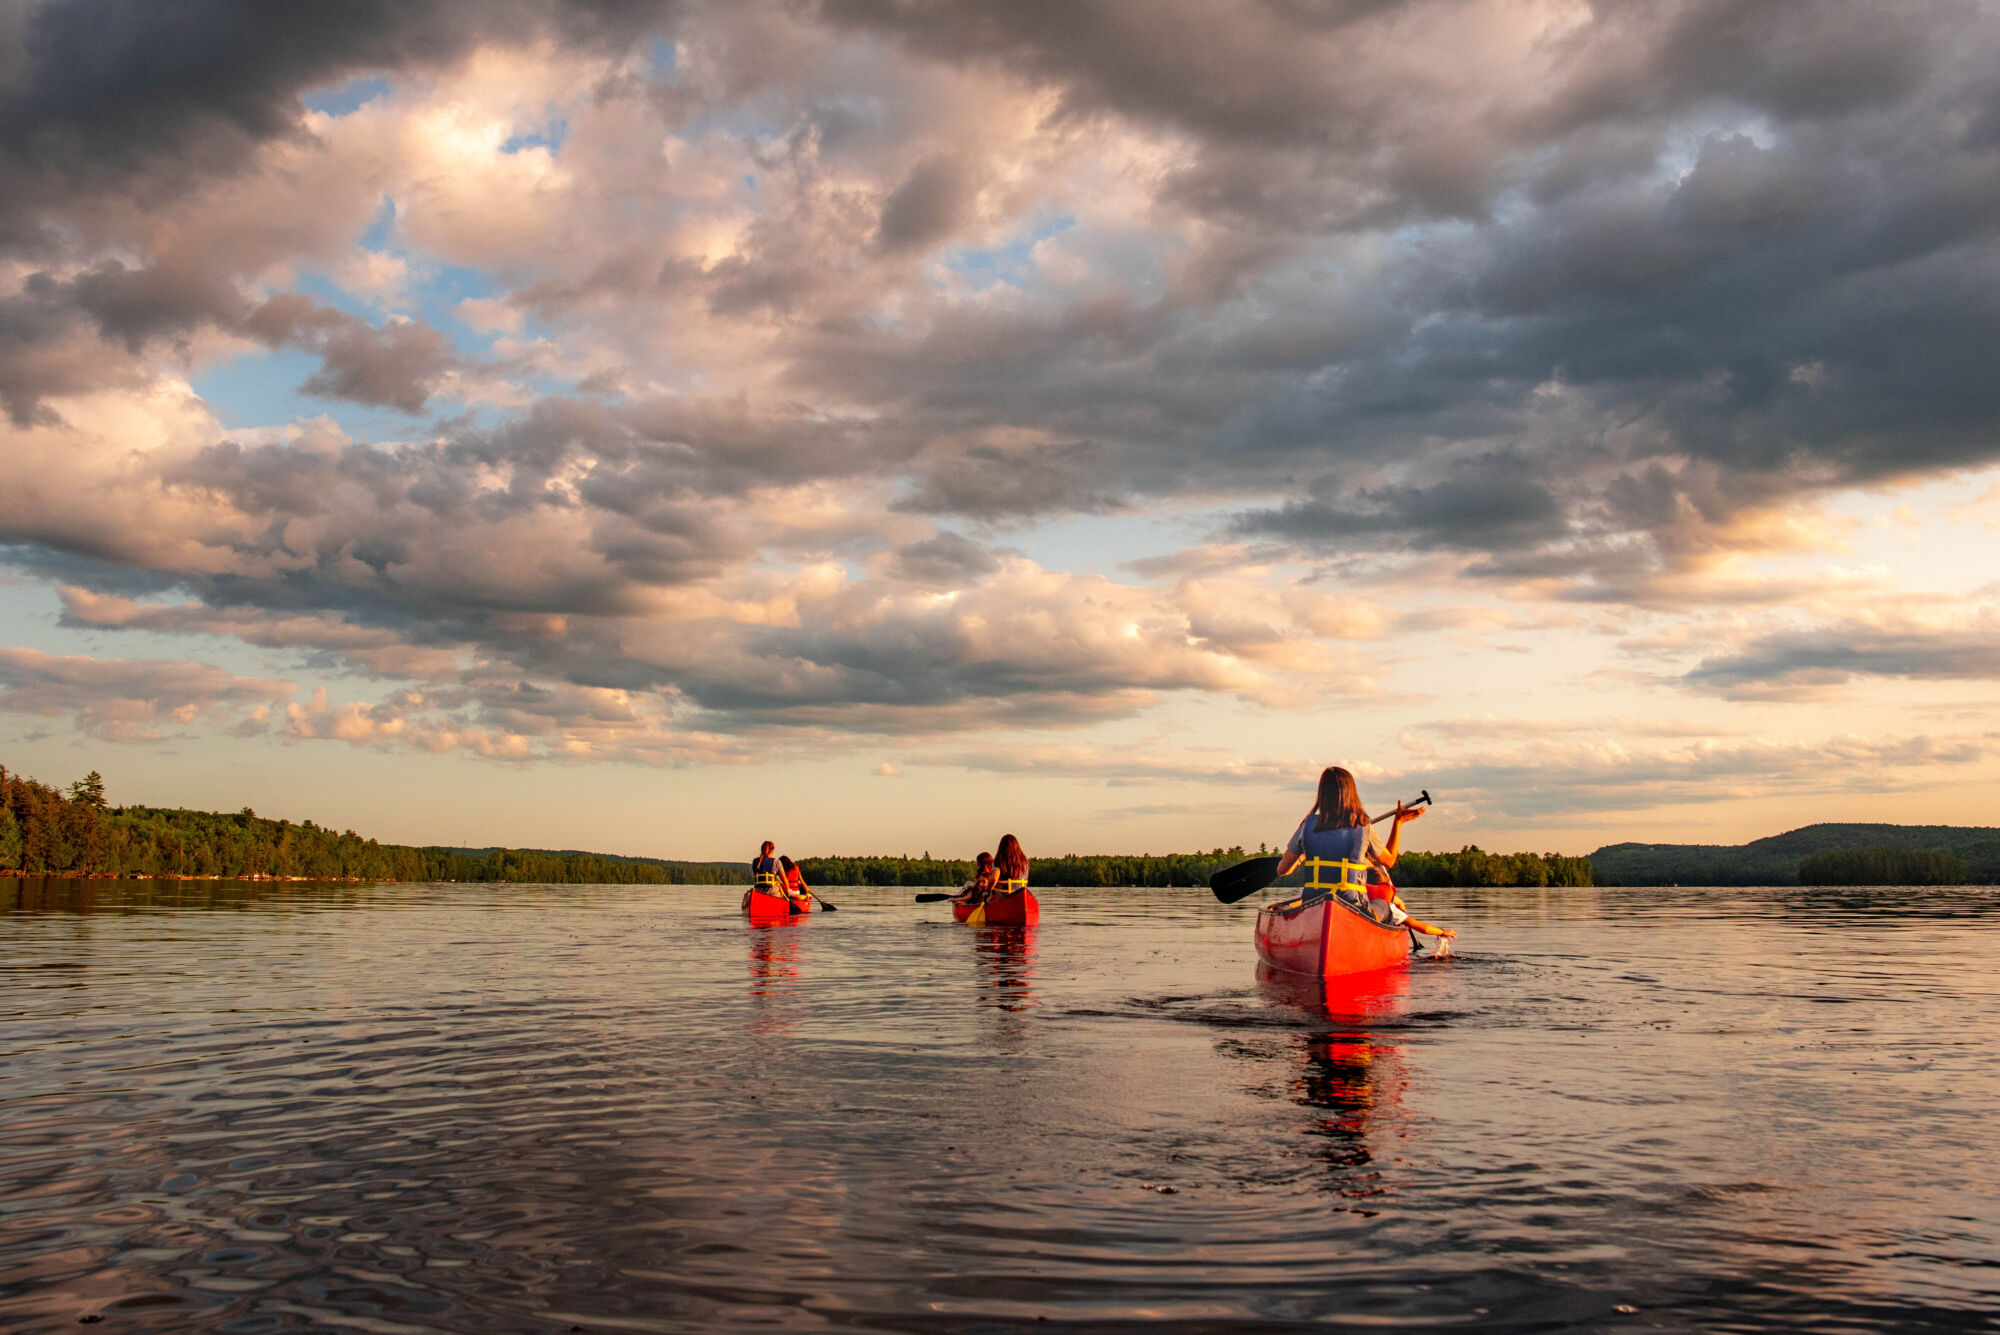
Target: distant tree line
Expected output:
[1073,869]
[1473,865]
[1468,866]
[44,831]
[1882,866]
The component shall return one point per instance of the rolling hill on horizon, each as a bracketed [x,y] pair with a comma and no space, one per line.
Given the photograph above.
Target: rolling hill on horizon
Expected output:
[1774,860]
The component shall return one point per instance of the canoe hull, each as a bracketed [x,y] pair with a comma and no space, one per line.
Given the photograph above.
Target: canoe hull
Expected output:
[1328,939]
[1019,909]
[760,907]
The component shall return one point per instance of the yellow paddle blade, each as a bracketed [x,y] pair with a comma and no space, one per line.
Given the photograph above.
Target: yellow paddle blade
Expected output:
[976,918]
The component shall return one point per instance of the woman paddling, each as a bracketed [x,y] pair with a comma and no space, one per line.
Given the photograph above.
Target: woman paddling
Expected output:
[1010,867]
[1337,829]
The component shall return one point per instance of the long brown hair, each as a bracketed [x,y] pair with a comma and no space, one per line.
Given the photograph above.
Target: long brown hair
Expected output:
[1009,860]
[1338,804]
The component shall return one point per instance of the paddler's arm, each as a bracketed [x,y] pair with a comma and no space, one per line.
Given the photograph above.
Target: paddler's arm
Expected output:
[1403,813]
[1295,848]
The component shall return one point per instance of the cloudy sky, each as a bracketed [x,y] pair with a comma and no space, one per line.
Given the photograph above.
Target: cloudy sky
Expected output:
[879,423]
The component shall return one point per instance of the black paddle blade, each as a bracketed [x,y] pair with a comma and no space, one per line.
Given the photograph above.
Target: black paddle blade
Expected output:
[1244,879]
[931,899]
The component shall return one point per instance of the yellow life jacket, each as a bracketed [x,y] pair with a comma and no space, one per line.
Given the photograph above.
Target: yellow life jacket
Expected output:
[1358,880]
[770,880]
[1005,887]
[1353,876]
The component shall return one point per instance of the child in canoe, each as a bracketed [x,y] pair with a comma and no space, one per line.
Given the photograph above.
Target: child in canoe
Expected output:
[795,880]
[1338,829]
[980,887]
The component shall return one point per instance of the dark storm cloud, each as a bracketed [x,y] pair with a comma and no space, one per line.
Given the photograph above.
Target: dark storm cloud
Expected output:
[1804,660]
[1803,302]
[48,347]
[925,207]
[126,95]
[112,108]
[1237,71]
[1793,61]
[91,331]
[991,483]
[945,561]
[394,366]
[1496,503]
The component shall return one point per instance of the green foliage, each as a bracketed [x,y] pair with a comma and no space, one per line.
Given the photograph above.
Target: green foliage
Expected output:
[1881,866]
[1083,869]
[10,839]
[42,832]
[88,791]
[884,871]
[1472,865]
[1074,869]
[1775,860]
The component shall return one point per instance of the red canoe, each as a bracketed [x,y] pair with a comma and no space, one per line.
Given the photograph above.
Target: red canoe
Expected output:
[759,906]
[1326,939]
[1019,909]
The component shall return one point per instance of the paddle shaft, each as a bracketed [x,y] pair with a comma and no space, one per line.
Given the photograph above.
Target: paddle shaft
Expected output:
[938,896]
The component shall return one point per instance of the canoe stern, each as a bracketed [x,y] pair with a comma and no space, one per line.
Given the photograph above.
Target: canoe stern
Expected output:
[1325,938]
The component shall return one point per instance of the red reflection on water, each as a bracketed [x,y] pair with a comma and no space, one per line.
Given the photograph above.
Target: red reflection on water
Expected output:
[774,973]
[1351,1073]
[1007,967]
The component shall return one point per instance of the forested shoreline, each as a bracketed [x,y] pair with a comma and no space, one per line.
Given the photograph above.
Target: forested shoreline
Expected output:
[45,831]
[1474,866]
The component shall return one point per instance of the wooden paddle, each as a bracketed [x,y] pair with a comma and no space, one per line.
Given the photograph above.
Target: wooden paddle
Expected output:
[948,894]
[1247,878]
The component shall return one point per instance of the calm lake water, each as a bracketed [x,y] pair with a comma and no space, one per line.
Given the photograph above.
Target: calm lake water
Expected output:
[477,1108]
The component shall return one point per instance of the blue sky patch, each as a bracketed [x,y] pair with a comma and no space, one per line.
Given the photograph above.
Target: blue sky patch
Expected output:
[344,99]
